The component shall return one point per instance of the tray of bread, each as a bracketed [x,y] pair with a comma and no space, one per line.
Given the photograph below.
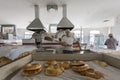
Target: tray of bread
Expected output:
[67,70]
[57,68]
[54,68]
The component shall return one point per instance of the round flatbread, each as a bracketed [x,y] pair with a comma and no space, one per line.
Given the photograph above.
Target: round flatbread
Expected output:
[77,63]
[80,68]
[95,74]
[53,72]
[65,64]
[32,66]
[31,72]
[49,63]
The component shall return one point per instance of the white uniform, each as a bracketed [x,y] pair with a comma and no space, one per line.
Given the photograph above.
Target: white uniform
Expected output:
[68,40]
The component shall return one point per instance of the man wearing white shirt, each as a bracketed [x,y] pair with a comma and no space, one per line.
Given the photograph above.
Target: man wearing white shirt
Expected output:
[67,42]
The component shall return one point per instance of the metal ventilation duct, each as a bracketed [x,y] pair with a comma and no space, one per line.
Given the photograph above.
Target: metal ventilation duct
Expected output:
[65,23]
[36,24]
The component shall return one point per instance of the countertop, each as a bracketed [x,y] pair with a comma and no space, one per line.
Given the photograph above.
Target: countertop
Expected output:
[109,72]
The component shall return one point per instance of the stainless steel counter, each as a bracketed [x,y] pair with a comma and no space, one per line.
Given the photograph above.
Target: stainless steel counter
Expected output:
[86,56]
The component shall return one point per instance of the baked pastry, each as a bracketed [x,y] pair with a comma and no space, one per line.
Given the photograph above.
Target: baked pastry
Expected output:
[31,69]
[22,55]
[87,70]
[77,63]
[31,72]
[95,74]
[32,66]
[80,68]
[65,64]
[49,63]
[53,70]
[5,60]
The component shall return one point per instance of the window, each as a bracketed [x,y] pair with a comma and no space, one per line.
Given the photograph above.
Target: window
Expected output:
[8,29]
[92,36]
[79,35]
[28,34]
[52,28]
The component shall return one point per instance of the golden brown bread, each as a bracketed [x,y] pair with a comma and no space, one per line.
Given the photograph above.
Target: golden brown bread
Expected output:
[85,70]
[5,60]
[32,66]
[53,70]
[65,64]
[31,69]
[22,55]
[90,69]
[31,72]
[26,54]
[95,74]
[80,68]
[77,63]
[49,63]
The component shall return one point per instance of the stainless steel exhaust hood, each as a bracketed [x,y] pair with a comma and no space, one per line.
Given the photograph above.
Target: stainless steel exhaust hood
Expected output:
[65,23]
[36,24]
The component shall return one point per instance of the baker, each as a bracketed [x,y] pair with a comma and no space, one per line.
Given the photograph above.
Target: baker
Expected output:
[67,42]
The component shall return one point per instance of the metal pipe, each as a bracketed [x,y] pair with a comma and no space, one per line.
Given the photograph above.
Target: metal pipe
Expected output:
[64,10]
[36,11]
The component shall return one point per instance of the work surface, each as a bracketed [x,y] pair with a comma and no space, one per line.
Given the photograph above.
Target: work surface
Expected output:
[109,72]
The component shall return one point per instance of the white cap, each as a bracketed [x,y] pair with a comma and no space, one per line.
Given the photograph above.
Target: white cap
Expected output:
[67,30]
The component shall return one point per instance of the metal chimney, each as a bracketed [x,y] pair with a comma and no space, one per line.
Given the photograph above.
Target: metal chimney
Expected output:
[65,23]
[36,24]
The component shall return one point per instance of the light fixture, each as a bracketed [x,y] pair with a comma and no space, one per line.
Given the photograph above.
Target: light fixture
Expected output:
[52,7]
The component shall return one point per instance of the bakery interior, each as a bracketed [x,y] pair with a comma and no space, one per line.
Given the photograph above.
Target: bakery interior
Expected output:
[89,22]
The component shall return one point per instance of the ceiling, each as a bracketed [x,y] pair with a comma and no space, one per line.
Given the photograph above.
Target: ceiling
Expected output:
[85,13]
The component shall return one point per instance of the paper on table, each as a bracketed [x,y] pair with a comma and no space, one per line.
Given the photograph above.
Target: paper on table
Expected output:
[19,50]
